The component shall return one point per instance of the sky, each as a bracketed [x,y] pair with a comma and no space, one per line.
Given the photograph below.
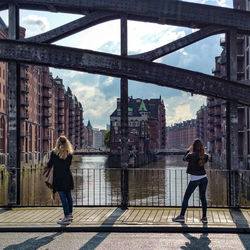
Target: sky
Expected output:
[98,93]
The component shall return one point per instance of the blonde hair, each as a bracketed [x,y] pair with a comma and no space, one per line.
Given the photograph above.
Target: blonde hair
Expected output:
[63,147]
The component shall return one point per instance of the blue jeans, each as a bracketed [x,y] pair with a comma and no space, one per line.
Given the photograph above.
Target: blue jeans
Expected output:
[67,202]
[202,183]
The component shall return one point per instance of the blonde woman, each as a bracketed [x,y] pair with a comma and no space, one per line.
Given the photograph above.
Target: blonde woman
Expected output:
[60,159]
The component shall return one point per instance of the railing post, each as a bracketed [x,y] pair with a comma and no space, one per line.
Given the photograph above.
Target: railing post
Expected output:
[124,119]
[13,164]
[232,118]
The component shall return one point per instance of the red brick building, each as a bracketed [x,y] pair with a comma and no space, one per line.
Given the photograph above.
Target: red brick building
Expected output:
[3,99]
[47,110]
[181,135]
[146,126]
[202,125]
[217,107]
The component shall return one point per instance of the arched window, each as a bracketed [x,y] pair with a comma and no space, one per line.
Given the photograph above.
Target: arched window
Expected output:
[2,135]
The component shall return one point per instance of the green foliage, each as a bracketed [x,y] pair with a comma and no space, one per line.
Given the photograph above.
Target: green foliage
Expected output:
[107,138]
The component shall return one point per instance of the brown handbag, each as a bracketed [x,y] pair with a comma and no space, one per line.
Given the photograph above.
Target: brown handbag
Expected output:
[48,174]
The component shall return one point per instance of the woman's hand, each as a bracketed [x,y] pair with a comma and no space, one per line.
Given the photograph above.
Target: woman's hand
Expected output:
[190,148]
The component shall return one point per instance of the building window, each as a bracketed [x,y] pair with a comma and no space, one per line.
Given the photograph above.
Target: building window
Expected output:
[247,62]
[2,135]
[30,138]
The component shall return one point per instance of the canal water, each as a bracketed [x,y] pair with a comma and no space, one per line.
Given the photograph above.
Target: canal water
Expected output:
[160,183]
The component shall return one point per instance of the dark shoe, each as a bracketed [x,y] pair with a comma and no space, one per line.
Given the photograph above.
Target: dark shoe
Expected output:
[204,219]
[179,219]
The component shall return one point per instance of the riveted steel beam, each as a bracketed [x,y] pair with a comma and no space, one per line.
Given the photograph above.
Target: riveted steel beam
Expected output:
[165,12]
[119,66]
[73,27]
[180,43]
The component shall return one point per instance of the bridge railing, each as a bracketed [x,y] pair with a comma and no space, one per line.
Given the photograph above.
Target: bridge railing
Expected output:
[147,187]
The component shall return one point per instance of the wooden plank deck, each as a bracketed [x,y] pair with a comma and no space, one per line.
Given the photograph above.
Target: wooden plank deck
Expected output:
[97,216]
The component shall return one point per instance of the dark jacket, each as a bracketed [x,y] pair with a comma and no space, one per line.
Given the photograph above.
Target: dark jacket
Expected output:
[193,165]
[62,176]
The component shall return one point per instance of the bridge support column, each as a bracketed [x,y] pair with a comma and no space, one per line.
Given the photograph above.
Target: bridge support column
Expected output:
[232,121]
[124,119]
[13,164]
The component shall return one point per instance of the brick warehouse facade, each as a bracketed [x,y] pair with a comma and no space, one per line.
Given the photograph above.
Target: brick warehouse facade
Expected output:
[47,110]
[217,107]
[181,135]
[146,126]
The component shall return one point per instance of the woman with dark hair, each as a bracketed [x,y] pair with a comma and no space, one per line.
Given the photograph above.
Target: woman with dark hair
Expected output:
[60,160]
[196,158]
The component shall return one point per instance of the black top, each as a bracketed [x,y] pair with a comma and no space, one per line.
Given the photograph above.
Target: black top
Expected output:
[193,165]
[62,176]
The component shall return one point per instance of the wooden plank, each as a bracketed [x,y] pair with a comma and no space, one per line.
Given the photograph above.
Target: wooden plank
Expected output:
[221,214]
[196,216]
[81,214]
[18,217]
[103,215]
[228,216]
[189,218]
[86,216]
[94,215]
[32,215]
[8,215]
[55,217]
[132,216]
[246,214]
[145,215]
[152,215]
[172,214]
[158,216]
[126,215]
[46,215]
[164,215]
[210,218]
[140,215]
[215,215]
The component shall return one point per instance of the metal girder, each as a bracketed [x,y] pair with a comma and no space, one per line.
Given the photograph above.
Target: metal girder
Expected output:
[178,44]
[172,12]
[3,6]
[119,66]
[73,27]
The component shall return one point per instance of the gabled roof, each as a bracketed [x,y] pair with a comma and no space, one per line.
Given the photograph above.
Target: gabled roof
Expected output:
[142,107]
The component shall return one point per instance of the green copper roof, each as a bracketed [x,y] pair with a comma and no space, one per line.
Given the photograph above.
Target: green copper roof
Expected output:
[58,82]
[142,107]
[50,73]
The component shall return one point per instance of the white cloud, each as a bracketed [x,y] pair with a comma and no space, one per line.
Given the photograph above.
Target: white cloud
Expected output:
[108,81]
[35,24]
[142,38]
[183,107]
[97,108]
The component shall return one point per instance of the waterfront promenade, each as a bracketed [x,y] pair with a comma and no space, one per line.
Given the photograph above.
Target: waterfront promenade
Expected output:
[133,219]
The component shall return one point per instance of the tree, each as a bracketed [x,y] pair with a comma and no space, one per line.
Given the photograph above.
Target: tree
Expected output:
[107,138]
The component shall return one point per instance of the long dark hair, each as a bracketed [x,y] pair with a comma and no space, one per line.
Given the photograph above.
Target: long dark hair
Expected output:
[199,149]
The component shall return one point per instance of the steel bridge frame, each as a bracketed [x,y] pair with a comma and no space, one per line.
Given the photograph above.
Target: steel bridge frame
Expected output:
[210,20]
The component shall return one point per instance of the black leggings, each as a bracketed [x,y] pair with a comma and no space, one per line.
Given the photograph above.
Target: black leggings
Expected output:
[202,183]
